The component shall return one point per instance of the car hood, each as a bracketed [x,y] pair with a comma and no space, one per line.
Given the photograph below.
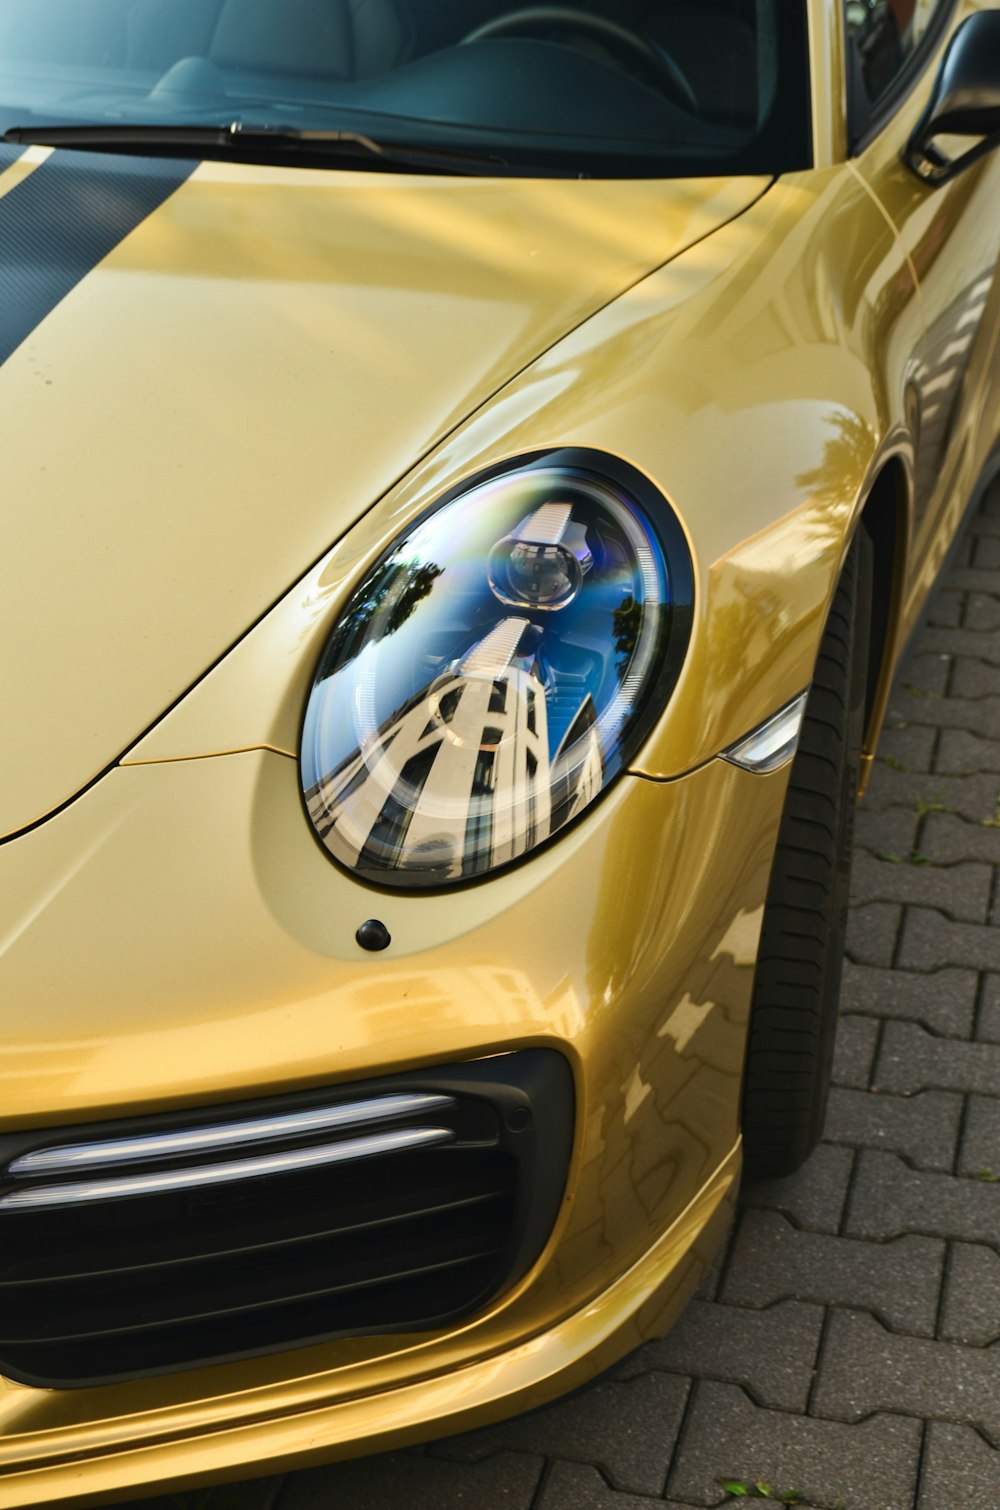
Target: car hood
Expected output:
[209,374]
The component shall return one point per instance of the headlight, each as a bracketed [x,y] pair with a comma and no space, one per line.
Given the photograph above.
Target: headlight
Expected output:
[500,665]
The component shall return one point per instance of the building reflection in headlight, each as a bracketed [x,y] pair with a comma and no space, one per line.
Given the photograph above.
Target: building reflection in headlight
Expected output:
[460,780]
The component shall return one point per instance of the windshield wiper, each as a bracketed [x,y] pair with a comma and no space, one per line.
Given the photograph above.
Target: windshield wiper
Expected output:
[243,141]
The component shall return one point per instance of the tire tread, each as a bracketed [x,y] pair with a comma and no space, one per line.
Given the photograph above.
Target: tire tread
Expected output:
[797,982]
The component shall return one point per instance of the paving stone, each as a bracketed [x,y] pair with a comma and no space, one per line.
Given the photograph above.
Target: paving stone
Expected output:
[926,674]
[947,607]
[988,1029]
[505,1482]
[813,1198]
[971,1311]
[872,932]
[969,795]
[924,1128]
[911,1059]
[982,611]
[886,831]
[959,1469]
[728,1437]
[900,1281]
[890,787]
[889,1199]
[985,552]
[854,1050]
[947,839]
[976,582]
[628,1428]
[985,522]
[908,703]
[907,745]
[867,1369]
[961,891]
[959,753]
[974,796]
[931,940]
[771,1353]
[571,1486]
[988,511]
[977,715]
[972,677]
[963,642]
[979,1156]
[943,999]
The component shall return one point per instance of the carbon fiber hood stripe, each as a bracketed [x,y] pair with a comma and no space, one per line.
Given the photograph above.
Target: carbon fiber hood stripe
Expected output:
[63,220]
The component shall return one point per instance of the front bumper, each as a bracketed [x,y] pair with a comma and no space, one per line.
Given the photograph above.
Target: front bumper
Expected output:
[175,939]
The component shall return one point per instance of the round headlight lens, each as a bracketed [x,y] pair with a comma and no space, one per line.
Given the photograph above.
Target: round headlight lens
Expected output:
[499,666]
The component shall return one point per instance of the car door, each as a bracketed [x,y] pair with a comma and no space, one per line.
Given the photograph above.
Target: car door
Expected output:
[951,236]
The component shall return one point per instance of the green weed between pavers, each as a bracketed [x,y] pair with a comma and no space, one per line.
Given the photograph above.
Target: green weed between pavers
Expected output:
[893,763]
[742,1489]
[913,858]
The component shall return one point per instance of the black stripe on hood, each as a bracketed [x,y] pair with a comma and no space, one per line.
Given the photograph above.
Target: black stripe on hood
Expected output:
[63,219]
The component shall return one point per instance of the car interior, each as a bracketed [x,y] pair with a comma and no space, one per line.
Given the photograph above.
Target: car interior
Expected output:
[697,75]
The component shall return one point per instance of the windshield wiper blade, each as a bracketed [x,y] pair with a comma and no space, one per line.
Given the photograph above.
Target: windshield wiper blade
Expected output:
[240,140]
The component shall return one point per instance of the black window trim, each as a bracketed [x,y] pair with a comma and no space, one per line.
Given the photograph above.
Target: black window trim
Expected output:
[913,70]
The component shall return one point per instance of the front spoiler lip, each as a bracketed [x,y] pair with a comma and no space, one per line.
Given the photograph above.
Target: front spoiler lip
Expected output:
[498,1381]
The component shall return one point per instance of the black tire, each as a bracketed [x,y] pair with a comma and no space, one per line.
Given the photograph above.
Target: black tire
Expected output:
[793,1014]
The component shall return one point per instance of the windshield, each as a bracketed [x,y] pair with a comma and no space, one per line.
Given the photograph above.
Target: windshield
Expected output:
[606,87]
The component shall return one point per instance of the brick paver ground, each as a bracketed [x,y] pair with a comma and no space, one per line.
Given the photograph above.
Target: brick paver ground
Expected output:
[848,1346]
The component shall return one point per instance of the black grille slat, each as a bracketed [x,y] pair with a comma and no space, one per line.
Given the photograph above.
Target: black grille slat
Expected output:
[93,1290]
[228,1297]
[231,1313]
[249,1278]
[11,1287]
[202,1223]
[383,1309]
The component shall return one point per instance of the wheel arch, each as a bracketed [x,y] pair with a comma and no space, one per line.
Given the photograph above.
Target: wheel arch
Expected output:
[885,516]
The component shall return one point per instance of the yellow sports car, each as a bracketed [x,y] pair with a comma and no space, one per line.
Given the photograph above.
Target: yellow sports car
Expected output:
[468,472]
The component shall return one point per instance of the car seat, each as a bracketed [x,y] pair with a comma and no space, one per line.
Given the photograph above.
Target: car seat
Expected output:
[339,40]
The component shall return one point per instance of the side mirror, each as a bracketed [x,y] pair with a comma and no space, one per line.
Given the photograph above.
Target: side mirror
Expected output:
[965,101]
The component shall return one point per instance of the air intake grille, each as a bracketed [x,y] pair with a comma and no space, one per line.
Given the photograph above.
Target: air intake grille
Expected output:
[164,1243]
